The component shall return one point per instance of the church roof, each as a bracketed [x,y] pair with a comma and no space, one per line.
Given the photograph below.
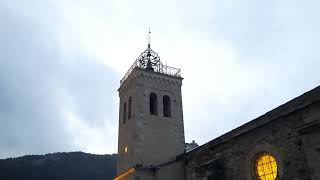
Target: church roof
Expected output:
[298,103]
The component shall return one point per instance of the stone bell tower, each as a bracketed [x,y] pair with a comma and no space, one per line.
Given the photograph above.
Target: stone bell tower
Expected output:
[151,131]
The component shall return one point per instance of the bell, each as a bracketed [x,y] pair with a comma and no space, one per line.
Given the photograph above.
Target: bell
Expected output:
[149,66]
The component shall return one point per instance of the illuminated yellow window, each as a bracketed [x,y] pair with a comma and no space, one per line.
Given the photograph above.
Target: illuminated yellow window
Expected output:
[266,167]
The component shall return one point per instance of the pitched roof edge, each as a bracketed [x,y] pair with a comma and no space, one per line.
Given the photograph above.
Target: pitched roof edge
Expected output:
[306,99]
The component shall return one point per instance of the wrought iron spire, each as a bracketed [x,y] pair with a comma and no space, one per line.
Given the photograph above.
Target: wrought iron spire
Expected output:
[150,60]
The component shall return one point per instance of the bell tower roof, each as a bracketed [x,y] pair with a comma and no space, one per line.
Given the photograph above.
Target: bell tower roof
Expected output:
[149,60]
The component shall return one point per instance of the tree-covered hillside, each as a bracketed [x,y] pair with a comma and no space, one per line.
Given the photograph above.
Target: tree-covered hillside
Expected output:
[59,166]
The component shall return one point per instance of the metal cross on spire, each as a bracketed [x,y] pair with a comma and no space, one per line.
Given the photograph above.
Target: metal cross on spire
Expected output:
[149,38]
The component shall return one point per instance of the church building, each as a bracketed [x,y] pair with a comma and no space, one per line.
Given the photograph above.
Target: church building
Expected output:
[283,144]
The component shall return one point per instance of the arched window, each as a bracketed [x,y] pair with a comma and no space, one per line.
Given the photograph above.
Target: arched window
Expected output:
[153,104]
[166,106]
[130,108]
[124,115]
[266,167]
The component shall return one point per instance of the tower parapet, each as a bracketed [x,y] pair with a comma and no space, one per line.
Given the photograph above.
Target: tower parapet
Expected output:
[150,60]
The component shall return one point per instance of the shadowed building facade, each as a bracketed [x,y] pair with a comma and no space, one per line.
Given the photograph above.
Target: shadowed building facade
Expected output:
[283,144]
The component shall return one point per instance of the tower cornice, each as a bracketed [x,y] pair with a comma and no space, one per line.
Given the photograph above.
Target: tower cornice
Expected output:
[144,74]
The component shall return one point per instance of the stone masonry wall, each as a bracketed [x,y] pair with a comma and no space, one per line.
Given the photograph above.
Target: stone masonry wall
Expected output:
[151,139]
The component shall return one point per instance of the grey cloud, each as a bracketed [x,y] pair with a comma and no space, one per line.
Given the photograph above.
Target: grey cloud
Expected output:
[32,73]
[270,30]
[92,89]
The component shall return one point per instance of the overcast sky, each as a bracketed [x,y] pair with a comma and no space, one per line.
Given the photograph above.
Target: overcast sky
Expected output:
[61,62]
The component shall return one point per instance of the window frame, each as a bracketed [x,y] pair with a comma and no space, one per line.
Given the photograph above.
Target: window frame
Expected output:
[153,104]
[255,151]
[130,108]
[258,157]
[124,113]
[166,106]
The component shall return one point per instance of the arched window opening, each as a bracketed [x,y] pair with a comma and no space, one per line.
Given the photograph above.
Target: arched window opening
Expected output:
[266,167]
[153,104]
[130,108]
[166,106]
[124,115]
